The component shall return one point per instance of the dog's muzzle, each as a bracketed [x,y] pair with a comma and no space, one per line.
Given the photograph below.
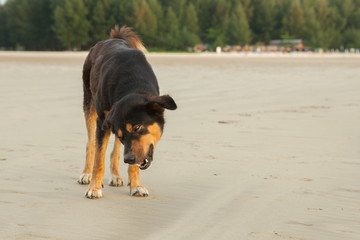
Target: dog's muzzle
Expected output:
[131,159]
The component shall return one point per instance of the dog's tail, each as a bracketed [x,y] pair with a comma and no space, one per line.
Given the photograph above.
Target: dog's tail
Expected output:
[129,36]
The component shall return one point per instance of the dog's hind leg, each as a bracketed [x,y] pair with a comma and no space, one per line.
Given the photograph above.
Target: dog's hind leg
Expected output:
[101,141]
[90,119]
[116,180]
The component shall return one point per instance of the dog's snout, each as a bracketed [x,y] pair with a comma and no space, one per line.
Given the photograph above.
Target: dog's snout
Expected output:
[129,158]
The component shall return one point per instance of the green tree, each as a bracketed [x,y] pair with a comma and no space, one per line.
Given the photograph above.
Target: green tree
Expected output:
[311,28]
[123,15]
[190,27]
[352,38]
[157,9]
[294,22]
[345,9]
[29,23]
[105,14]
[145,22]
[281,16]
[238,31]
[325,16]
[248,9]
[3,29]
[353,17]
[176,24]
[172,30]
[262,22]
[191,19]
[352,32]
[220,21]
[205,10]
[71,25]
[179,8]
[221,14]
[100,29]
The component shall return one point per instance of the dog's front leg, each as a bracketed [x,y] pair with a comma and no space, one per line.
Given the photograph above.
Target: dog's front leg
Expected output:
[102,138]
[136,189]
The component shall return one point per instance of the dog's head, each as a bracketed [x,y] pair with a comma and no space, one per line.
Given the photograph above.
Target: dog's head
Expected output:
[138,121]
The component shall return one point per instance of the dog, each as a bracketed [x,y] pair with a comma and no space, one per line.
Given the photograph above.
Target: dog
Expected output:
[121,95]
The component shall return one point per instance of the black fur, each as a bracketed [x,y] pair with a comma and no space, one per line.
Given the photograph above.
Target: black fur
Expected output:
[120,83]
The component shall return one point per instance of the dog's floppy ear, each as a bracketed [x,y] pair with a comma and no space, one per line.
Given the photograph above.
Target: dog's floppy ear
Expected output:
[164,101]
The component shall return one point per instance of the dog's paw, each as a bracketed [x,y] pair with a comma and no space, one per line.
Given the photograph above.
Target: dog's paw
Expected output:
[85,178]
[93,193]
[139,191]
[116,181]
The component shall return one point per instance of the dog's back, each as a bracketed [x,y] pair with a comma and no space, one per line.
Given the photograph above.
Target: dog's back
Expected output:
[116,67]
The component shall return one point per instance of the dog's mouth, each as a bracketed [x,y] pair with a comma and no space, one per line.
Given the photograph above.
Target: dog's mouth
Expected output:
[147,161]
[145,164]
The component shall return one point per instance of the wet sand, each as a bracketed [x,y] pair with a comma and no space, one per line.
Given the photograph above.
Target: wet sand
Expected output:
[260,147]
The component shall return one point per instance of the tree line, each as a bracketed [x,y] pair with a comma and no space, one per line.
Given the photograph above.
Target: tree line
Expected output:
[178,24]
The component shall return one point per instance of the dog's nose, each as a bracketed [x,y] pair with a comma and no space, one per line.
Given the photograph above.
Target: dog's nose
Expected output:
[129,158]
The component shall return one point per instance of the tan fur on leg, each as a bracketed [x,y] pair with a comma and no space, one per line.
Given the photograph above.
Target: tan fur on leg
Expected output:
[90,119]
[136,189]
[94,190]
[116,180]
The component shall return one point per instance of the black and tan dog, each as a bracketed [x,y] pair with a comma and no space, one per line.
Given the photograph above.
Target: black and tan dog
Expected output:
[121,95]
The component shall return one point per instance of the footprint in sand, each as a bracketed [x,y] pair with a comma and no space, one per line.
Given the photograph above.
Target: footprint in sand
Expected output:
[273,236]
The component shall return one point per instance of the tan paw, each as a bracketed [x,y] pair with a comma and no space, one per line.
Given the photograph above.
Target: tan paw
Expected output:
[139,191]
[85,178]
[93,193]
[116,181]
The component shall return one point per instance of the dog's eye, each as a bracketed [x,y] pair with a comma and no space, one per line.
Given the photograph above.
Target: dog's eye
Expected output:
[136,128]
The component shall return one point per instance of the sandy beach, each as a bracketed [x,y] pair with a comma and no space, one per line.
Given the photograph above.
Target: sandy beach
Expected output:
[260,147]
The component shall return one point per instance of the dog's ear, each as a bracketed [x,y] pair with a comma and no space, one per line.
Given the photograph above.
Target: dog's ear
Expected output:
[164,101]
[108,121]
